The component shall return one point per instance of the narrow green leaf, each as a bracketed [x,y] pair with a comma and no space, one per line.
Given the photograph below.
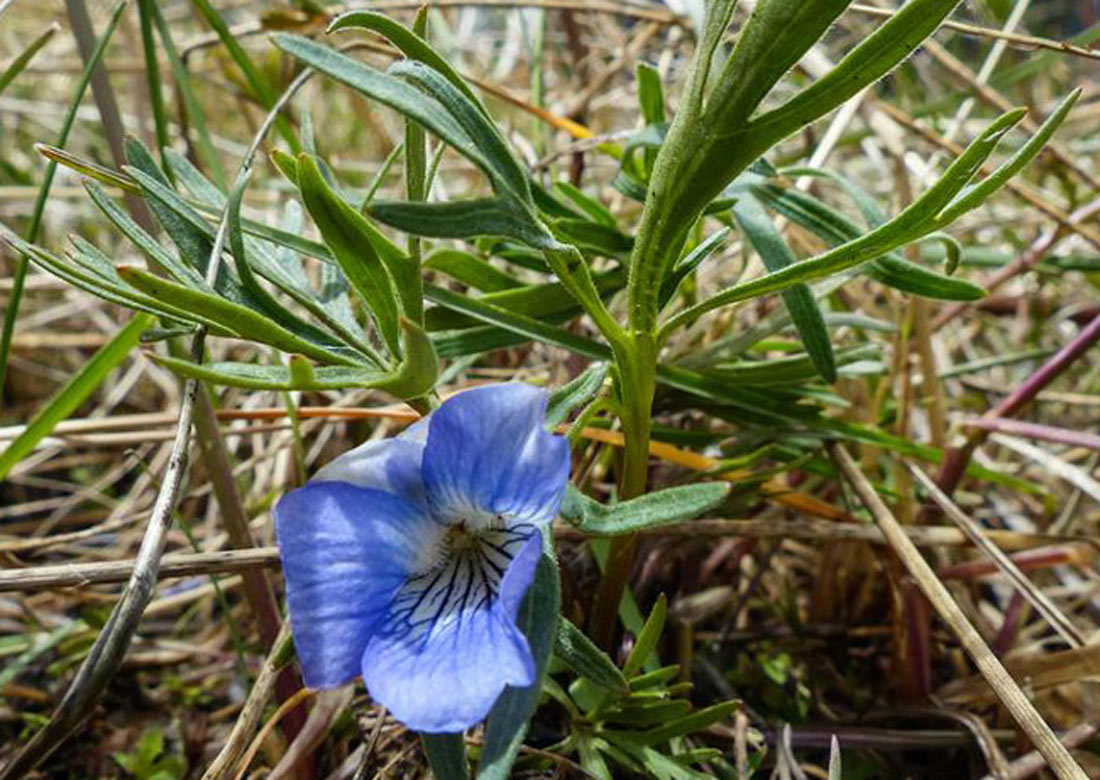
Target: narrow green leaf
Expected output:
[651,98]
[286,163]
[504,170]
[688,264]
[917,220]
[583,657]
[656,678]
[23,59]
[413,378]
[787,370]
[446,755]
[254,376]
[386,89]
[775,37]
[595,237]
[589,205]
[873,58]
[646,641]
[88,274]
[889,268]
[185,227]
[551,302]
[88,168]
[191,178]
[234,317]
[976,194]
[687,725]
[517,323]
[417,168]
[649,713]
[576,392]
[463,219]
[411,45]
[149,246]
[349,238]
[153,79]
[471,270]
[661,507]
[195,114]
[75,392]
[775,253]
[254,293]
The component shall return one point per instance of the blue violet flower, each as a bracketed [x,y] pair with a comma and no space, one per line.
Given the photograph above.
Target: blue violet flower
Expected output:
[407,558]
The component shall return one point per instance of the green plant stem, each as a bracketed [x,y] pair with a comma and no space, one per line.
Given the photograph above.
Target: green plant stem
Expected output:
[637,365]
[664,228]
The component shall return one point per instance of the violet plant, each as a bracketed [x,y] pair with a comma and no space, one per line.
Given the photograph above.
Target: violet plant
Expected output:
[406,559]
[424,562]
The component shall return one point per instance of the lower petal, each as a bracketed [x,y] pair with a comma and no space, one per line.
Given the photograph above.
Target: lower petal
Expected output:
[439,665]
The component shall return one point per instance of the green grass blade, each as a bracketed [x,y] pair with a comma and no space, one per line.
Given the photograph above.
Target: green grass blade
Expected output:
[19,64]
[75,392]
[19,275]
[775,253]
[195,113]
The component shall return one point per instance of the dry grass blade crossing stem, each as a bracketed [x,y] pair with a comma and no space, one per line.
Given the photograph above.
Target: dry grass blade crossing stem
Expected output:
[1033,762]
[71,575]
[1015,701]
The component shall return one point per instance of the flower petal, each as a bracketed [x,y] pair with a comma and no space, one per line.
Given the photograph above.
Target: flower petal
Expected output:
[450,646]
[488,454]
[345,552]
[392,465]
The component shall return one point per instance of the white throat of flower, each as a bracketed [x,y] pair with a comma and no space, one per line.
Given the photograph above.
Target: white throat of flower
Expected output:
[461,569]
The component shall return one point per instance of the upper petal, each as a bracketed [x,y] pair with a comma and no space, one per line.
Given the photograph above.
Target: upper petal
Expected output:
[440,666]
[488,453]
[392,465]
[345,551]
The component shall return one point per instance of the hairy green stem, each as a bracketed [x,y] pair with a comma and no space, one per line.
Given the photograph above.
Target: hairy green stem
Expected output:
[667,217]
[636,360]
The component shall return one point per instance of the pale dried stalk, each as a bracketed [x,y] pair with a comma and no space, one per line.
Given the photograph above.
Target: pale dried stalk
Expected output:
[249,719]
[175,565]
[300,696]
[1033,763]
[1015,701]
[1042,603]
[1011,38]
